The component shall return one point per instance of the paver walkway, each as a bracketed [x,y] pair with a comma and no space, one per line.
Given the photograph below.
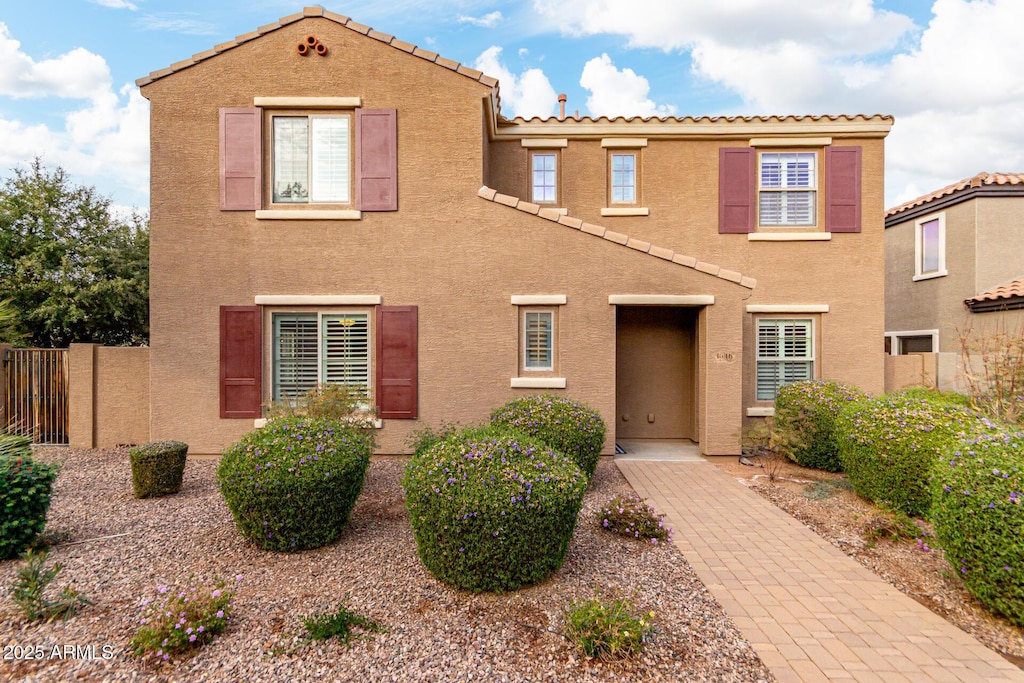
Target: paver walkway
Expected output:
[810,612]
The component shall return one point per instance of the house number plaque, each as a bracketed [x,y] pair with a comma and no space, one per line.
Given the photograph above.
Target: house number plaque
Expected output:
[724,356]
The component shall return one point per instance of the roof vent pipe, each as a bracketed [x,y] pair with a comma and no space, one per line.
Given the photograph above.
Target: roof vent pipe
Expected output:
[561,106]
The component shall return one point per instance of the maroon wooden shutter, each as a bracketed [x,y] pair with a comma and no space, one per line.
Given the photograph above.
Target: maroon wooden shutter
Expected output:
[397,362]
[241,158]
[842,189]
[241,362]
[737,187]
[376,159]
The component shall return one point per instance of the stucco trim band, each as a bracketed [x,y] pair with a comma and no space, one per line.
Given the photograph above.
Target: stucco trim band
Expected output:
[544,143]
[318,300]
[314,215]
[790,142]
[627,143]
[538,299]
[631,211]
[661,299]
[538,383]
[789,236]
[787,308]
[308,102]
[761,411]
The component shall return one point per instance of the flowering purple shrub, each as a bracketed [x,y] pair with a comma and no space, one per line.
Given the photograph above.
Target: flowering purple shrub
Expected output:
[564,424]
[888,446]
[175,620]
[978,512]
[491,509]
[804,427]
[628,515]
[292,484]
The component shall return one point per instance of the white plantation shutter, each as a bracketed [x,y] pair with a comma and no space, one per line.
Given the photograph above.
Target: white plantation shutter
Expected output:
[330,159]
[291,159]
[538,342]
[787,196]
[295,354]
[785,354]
[345,354]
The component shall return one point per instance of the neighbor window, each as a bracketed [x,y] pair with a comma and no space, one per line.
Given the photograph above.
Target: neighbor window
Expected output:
[311,159]
[623,178]
[538,340]
[310,349]
[930,247]
[544,171]
[785,354]
[787,188]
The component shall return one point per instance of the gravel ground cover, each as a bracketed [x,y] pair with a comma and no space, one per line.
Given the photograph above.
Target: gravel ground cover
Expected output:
[116,550]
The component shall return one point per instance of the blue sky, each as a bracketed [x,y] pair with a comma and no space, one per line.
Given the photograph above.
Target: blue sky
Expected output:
[948,70]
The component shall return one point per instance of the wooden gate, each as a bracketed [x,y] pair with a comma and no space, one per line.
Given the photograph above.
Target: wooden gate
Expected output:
[35,393]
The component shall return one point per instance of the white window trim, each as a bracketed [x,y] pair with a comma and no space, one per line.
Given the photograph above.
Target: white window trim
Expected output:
[525,340]
[787,308]
[317,300]
[626,211]
[538,383]
[557,172]
[919,247]
[661,299]
[812,357]
[544,143]
[310,215]
[788,228]
[538,299]
[788,236]
[894,339]
[307,102]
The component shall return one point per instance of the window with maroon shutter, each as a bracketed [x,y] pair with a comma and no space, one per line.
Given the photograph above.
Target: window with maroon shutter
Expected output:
[397,362]
[241,158]
[842,189]
[241,364]
[376,160]
[736,189]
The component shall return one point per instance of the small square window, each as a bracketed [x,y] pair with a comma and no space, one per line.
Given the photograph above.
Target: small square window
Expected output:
[544,177]
[787,189]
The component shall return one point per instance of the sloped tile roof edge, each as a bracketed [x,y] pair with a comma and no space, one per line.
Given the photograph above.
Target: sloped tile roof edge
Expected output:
[1010,290]
[979,180]
[619,239]
[341,19]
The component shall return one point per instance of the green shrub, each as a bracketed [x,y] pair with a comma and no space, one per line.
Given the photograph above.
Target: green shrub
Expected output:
[935,396]
[804,426]
[338,402]
[292,484]
[157,468]
[339,625]
[424,439]
[888,446]
[29,591]
[564,424]
[492,509]
[626,514]
[25,490]
[178,619]
[607,630]
[978,512]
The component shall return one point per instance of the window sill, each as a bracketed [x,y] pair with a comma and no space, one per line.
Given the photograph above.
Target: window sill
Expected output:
[311,215]
[761,411]
[929,276]
[789,236]
[626,211]
[538,383]
[261,422]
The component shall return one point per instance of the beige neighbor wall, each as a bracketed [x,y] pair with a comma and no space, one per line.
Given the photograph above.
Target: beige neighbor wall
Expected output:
[460,258]
[108,396]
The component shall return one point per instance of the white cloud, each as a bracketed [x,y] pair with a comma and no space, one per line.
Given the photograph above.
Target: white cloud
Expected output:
[615,92]
[528,94]
[76,74]
[177,22]
[487,21]
[115,4]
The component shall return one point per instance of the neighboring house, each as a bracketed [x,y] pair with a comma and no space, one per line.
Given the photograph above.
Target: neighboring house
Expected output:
[331,204]
[954,261]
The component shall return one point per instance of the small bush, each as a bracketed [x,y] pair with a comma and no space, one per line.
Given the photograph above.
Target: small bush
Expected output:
[564,424]
[29,590]
[337,402]
[626,514]
[978,512]
[25,490]
[424,439]
[157,468]
[339,625]
[804,427]
[492,510]
[292,484]
[179,619]
[607,630]
[888,446]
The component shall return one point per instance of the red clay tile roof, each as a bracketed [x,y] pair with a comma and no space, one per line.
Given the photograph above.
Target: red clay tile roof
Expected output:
[1008,291]
[976,181]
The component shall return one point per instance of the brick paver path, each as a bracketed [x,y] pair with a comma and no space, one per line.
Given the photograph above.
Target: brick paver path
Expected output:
[810,612]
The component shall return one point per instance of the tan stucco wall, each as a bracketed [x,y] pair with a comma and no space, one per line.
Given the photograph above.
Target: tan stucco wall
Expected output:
[108,395]
[1000,241]
[460,258]
[912,370]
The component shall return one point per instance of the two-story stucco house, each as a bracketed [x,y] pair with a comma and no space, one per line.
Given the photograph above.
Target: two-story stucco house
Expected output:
[331,204]
[954,261]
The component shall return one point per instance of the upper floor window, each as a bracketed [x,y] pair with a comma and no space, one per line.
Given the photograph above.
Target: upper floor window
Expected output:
[544,173]
[930,247]
[311,159]
[787,188]
[623,168]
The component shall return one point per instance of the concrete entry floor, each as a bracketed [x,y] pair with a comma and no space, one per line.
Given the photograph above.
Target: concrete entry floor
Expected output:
[661,450]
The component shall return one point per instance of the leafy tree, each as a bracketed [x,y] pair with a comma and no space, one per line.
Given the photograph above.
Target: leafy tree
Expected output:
[72,270]
[9,333]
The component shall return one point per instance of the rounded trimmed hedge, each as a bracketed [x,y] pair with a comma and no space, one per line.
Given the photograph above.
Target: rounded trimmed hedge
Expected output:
[564,424]
[978,512]
[888,446]
[25,490]
[492,509]
[292,484]
[804,427]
